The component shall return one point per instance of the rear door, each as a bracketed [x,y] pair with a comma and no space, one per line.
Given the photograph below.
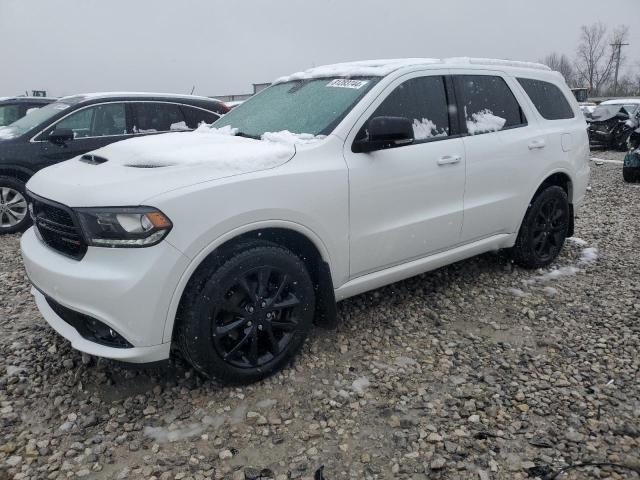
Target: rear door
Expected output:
[93,127]
[501,146]
[157,117]
[194,116]
[406,201]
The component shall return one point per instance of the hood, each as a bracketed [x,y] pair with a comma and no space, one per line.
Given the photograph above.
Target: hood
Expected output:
[131,171]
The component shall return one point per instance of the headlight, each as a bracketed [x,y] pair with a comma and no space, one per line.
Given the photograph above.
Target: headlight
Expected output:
[123,226]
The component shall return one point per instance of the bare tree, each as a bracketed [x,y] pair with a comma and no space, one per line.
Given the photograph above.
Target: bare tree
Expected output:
[561,63]
[595,61]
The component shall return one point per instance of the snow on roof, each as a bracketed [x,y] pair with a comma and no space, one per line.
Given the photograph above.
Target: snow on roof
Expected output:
[621,101]
[88,96]
[380,68]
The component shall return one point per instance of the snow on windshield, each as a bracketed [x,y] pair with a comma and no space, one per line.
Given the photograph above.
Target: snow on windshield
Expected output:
[483,121]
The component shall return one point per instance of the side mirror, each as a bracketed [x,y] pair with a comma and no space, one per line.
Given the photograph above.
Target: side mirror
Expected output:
[622,115]
[60,136]
[385,132]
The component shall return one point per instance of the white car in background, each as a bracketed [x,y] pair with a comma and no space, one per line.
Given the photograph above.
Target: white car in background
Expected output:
[229,242]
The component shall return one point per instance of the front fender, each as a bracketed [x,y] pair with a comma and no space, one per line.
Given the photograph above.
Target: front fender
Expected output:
[200,256]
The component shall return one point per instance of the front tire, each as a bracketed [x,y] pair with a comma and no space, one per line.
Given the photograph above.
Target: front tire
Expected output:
[249,317]
[14,213]
[543,230]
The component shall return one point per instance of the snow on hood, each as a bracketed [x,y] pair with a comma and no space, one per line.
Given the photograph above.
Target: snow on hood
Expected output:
[143,167]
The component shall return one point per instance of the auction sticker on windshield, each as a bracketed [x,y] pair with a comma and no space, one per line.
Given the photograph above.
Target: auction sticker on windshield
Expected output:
[345,83]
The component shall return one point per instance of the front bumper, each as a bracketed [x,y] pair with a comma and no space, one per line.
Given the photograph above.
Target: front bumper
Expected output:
[598,139]
[127,289]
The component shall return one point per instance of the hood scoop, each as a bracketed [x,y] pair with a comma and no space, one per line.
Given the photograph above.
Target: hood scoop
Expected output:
[92,159]
[146,165]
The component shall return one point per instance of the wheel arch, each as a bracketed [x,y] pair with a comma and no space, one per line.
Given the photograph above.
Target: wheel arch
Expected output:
[300,240]
[21,173]
[559,178]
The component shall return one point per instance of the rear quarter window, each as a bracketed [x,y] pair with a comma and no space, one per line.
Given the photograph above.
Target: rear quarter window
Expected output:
[547,98]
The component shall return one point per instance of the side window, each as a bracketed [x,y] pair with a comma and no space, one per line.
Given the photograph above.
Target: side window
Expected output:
[488,104]
[547,98]
[195,116]
[98,121]
[79,122]
[424,101]
[153,117]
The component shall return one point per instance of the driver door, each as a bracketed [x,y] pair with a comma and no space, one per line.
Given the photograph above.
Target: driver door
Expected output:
[93,127]
[406,202]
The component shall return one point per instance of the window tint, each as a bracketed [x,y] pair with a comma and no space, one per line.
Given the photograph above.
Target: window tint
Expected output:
[488,104]
[98,121]
[195,116]
[422,100]
[158,117]
[9,114]
[547,98]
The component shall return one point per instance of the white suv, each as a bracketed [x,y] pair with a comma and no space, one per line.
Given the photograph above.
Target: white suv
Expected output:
[230,242]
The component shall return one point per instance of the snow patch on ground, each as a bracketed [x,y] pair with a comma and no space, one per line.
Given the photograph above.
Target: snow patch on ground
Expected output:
[516,292]
[577,241]
[402,361]
[589,256]
[12,370]
[484,121]
[360,384]
[161,435]
[550,291]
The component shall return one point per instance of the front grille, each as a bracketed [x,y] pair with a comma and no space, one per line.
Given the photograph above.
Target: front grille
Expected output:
[88,327]
[58,227]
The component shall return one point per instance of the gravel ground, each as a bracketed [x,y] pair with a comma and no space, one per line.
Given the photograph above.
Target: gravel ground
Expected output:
[479,370]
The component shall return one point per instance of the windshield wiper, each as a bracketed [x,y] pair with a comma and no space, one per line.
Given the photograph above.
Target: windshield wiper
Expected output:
[247,135]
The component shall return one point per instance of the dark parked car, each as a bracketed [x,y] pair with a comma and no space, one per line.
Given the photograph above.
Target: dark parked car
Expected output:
[14,108]
[75,125]
[612,122]
[631,164]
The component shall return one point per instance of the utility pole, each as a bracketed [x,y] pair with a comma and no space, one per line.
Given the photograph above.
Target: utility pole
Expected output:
[618,47]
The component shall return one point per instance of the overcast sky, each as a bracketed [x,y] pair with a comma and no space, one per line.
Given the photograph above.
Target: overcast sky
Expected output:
[222,47]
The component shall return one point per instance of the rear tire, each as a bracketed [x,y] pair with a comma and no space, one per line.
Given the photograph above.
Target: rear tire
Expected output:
[249,317]
[543,230]
[14,214]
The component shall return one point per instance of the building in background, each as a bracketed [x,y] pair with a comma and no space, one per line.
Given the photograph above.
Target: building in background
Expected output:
[241,97]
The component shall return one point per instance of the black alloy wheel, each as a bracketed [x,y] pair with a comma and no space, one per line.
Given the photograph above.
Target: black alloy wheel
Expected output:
[247,315]
[256,320]
[543,229]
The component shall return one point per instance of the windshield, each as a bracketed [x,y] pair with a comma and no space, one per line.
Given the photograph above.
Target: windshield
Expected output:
[605,112]
[36,117]
[302,106]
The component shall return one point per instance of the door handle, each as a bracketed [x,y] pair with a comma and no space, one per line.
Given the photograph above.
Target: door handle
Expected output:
[537,145]
[449,159]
